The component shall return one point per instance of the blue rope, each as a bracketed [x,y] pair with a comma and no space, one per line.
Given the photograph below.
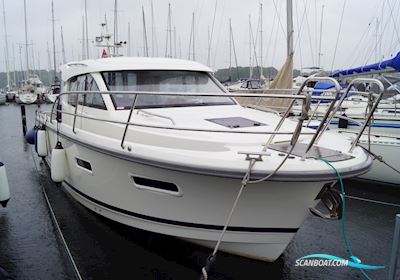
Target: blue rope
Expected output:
[346,242]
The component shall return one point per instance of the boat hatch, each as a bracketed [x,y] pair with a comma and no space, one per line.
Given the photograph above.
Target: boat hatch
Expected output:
[235,122]
[315,151]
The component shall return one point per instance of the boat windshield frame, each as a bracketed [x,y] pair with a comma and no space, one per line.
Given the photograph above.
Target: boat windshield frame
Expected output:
[166,101]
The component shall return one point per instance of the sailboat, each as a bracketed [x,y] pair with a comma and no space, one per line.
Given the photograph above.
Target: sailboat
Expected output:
[382,139]
[30,88]
[9,92]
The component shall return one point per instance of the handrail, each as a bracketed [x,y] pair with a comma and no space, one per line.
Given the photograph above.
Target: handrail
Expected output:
[300,95]
[156,115]
[286,114]
[373,108]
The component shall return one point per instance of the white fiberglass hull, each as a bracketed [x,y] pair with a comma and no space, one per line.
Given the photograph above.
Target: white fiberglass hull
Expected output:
[267,217]
[26,98]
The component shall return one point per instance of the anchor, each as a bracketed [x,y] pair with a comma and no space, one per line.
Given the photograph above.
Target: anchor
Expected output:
[332,200]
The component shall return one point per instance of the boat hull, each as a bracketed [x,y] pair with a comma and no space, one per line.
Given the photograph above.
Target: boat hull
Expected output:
[26,98]
[265,220]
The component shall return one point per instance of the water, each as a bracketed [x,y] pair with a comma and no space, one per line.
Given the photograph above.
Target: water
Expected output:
[31,249]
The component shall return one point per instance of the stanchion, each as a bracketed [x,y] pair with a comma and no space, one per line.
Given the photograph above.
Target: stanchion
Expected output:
[23,118]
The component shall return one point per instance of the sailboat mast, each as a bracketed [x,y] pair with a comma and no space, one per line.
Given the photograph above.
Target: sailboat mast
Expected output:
[115,27]
[54,40]
[83,38]
[145,46]
[63,47]
[230,50]
[250,51]
[14,67]
[194,49]
[289,26]
[154,47]
[261,44]
[129,39]
[320,37]
[26,43]
[86,31]
[6,48]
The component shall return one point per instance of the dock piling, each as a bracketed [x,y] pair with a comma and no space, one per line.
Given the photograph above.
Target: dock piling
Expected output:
[23,118]
[395,249]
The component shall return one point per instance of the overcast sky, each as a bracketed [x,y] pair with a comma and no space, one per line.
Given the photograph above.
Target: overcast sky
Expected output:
[370,29]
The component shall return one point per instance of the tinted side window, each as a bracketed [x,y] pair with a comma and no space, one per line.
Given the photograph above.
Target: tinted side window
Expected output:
[94,100]
[73,85]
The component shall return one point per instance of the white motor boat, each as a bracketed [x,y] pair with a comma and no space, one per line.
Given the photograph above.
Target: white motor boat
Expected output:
[30,90]
[158,144]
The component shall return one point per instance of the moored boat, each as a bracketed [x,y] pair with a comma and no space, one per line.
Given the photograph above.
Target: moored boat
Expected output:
[159,144]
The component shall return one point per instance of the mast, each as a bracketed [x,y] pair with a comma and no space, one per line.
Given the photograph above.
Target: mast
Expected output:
[26,43]
[230,50]
[20,61]
[174,41]
[33,59]
[14,67]
[289,26]
[320,37]
[261,44]
[290,33]
[49,63]
[115,27]
[154,47]
[54,40]
[83,38]
[6,48]
[63,47]
[145,46]
[211,36]
[194,50]
[250,51]
[168,43]
[86,31]
[129,39]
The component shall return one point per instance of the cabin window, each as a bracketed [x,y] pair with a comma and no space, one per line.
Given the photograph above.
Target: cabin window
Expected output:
[85,83]
[163,81]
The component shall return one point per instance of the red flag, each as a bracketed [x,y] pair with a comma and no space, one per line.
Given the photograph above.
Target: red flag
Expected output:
[104,54]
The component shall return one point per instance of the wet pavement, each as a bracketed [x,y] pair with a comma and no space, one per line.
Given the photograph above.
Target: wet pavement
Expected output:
[30,247]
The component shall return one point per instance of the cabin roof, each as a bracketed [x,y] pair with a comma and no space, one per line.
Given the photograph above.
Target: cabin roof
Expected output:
[76,68]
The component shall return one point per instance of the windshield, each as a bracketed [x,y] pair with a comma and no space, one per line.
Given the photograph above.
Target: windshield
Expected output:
[162,81]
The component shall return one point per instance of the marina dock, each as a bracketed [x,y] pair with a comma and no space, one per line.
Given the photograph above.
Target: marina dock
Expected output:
[31,247]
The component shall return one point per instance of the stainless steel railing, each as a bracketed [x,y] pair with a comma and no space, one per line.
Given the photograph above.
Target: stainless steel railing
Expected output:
[301,95]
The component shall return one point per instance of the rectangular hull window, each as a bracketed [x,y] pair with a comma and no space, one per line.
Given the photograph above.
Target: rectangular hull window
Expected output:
[155,184]
[84,164]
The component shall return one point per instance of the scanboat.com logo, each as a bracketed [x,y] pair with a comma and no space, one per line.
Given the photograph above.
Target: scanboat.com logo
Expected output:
[329,260]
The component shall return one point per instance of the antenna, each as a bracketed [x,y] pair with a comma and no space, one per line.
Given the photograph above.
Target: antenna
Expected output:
[107,37]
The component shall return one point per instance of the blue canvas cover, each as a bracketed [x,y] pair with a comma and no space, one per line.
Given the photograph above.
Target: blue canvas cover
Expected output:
[392,64]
